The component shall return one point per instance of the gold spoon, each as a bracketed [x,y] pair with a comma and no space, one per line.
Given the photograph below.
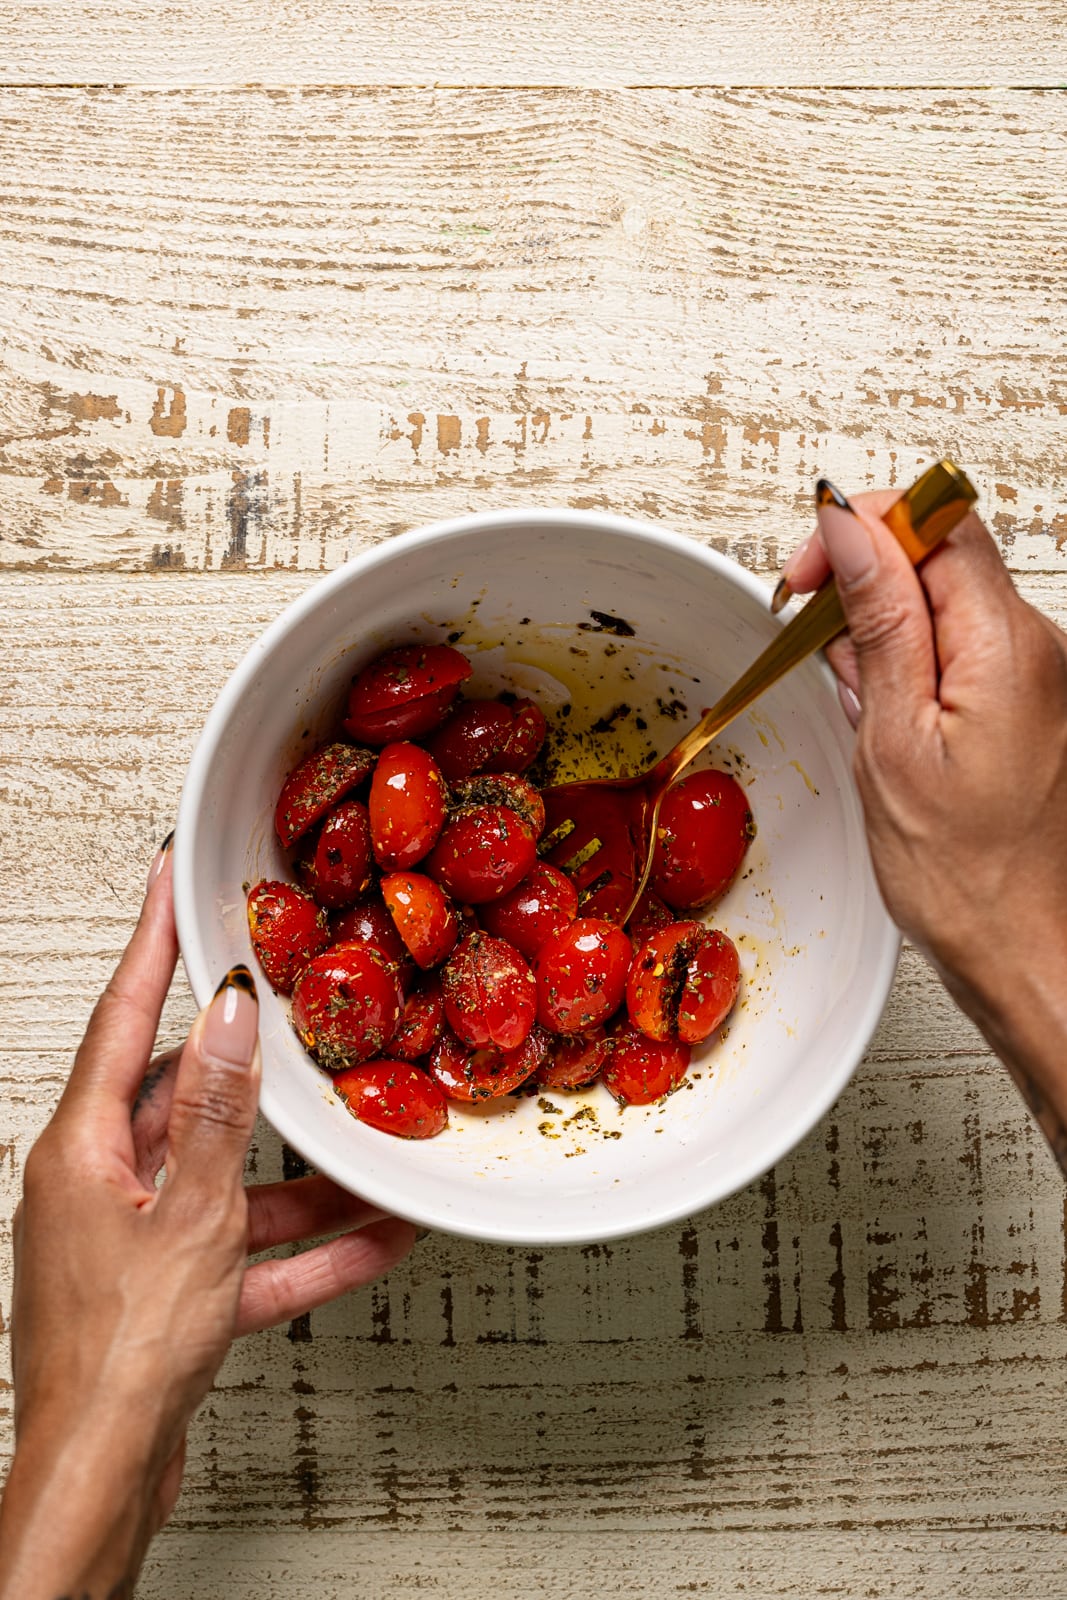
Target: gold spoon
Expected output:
[603,831]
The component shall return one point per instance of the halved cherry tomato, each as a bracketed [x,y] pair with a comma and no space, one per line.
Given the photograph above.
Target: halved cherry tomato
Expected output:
[408,799]
[544,903]
[483,1074]
[483,851]
[682,983]
[316,784]
[425,918]
[489,993]
[641,1070]
[405,693]
[369,923]
[501,789]
[705,827]
[421,1021]
[338,870]
[575,1061]
[488,736]
[394,1097]
[581,975]
[287,929]
[346,1004]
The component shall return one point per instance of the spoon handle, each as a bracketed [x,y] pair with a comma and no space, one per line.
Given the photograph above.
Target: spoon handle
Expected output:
[919,521]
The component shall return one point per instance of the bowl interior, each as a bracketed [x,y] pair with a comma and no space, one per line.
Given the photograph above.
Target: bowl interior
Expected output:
[528,595]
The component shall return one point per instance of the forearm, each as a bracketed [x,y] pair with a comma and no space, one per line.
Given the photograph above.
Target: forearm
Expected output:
[1021,1008]
[77,1511]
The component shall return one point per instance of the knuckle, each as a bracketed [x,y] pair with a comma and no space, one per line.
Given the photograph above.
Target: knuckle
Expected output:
[220,1099]
[886,623]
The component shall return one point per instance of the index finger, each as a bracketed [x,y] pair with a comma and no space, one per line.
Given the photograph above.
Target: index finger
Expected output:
[114,1054]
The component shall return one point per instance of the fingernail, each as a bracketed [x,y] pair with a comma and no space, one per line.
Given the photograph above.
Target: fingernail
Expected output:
[781,596]
[849,703]
[232,1020]
[159,860]
[420,1234]
[849,546]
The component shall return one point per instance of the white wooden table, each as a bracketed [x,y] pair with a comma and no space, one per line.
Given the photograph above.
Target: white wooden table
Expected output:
[279,281]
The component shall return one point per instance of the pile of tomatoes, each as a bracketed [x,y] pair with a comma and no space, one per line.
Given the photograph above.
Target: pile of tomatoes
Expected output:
[431,955]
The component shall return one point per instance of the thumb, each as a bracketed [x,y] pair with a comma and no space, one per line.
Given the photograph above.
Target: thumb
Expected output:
[888,619]
[216,1090]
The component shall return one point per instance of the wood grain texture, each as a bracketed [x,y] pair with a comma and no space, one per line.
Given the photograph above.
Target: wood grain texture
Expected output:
[443,42]
[868,1340]
[264,329]
[245,333]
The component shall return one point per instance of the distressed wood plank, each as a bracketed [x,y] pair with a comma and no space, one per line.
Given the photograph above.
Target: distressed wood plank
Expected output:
[424,43]
[683,306]
[870,1338]
[562,1566]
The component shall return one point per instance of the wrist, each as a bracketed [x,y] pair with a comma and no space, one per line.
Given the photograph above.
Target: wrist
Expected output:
[79,1505]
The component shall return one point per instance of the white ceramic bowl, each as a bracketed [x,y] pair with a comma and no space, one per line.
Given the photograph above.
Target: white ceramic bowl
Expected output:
[818,950]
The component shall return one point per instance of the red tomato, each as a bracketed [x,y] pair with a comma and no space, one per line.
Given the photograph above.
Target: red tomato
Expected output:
[640,1070]
[424,916]
[489,993]
[581,975]
[486,1074]
[315,786]
[575,1061]
[488,736]
[650,914]
[502,789]
[368,922]
[483,851]
[288,930]
[682,983]
[705,827]
[544,903]
[395,1097]
[405,693]
[338,870]
[421,1021]
[408,799]
[346,1004]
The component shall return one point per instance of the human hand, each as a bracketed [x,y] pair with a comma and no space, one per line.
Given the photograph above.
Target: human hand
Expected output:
[127,1296]
[958,691]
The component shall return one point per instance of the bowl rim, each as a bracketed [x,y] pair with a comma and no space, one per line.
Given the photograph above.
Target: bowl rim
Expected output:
[385,1194]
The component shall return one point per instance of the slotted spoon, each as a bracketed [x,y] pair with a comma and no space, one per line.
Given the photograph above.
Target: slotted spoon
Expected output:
[602,831]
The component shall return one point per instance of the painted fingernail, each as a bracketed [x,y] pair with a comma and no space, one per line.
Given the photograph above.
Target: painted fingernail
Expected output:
[849,546]
[232,1021]
[159,860]
[781,596]
[849,703]
[420,1234]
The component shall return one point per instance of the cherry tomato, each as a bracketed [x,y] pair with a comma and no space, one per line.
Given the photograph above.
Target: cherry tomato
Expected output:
[483,851]
[424,916]
[315,786]
[502,789]
[485,1074]
[650,914]
[405,693]
[544,903]
[421,1021]
[581,975]
[395,1097]
[488,736]
[705,827]
[575,1061]
[346,1004]
[682,983]
[338,870]
[288,930]
[641,1070]
[489,993]
[408,800]
[368,922]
